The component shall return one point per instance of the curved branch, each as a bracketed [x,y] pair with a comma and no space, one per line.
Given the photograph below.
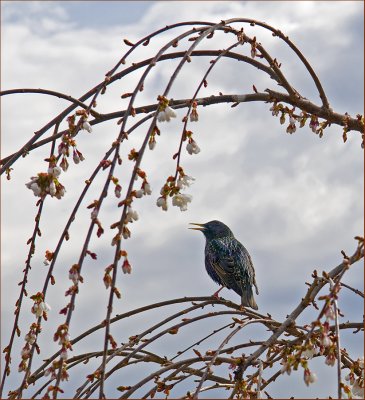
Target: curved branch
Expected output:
[278,33]
[49,93]
[314,289]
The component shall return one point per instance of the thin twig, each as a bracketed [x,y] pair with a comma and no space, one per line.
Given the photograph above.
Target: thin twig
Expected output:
[337,331]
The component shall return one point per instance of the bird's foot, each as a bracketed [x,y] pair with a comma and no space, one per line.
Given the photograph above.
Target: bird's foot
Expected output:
[217,292]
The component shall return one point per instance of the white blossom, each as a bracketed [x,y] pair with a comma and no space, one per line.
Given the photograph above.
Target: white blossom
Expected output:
[139,193]
[30,338]
[64,354]
[181,200]
[118,191]
[22,367]
[326,341]
[33,185]
[60,192]
[45,306]
[330,359]
[147,188]
[76,157]
[55,171]
[350,378]
[162,202]
[185,181]
[126,234]
[274,111]
[192,147]
[329,313]
[152,144]
[86,126]
[132,215]
[94,213]
[74,276]
[25,351]
[286,368]
[194,116]
[166,115]
[39,308]
[309,377]
[52,189]
[309,353]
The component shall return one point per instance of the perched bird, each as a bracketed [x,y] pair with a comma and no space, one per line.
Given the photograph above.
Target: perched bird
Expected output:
[227,261]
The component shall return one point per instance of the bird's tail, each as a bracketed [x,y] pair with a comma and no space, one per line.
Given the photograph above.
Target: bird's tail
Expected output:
[247,299]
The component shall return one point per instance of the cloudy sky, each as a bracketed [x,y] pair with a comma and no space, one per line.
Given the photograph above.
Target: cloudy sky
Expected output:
[294,201]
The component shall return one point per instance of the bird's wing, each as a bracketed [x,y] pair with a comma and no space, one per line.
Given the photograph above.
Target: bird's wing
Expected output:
[245,259]
[211,269]
[232,263]
[222,263]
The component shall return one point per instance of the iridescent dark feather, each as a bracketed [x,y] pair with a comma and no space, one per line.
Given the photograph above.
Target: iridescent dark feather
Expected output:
[228,262]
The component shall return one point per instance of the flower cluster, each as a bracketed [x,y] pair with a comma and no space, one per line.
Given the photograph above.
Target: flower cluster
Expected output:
[172,188]
[74,274]
[152,139]
[313,124]
[253,48]
[356,383]
[276,109]
[292,361]
[145,189]
[68,142]
[191,147]
[194,116]
[40,308]
[309,376]
[297,356]
[85,125]
[291,127]
[184,180]
[94,217]
[107,278]
[30,339]
[316,127]
[48,257]
[117,188]
[126,266]
[47,183]
[165,112]
[327,340]
[63,338]
[310,351]
[53,369]
[181,200]
[94,206]
[131,215]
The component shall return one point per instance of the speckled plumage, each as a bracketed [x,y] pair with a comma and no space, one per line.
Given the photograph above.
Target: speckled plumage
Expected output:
[228,262]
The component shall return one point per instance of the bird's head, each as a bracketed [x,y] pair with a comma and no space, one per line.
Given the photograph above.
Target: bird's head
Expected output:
[213,229]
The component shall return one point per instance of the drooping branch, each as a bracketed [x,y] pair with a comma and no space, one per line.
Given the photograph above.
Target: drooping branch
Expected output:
[299,343]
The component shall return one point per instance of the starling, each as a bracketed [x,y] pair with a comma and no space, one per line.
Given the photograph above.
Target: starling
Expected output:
[228,262]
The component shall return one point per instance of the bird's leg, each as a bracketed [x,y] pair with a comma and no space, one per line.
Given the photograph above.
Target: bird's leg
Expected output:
[216,293]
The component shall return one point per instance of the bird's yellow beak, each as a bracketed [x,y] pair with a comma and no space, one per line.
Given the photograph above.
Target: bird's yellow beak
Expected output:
[201,226]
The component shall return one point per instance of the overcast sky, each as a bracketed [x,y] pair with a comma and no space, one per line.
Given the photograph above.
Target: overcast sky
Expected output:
[294,201]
